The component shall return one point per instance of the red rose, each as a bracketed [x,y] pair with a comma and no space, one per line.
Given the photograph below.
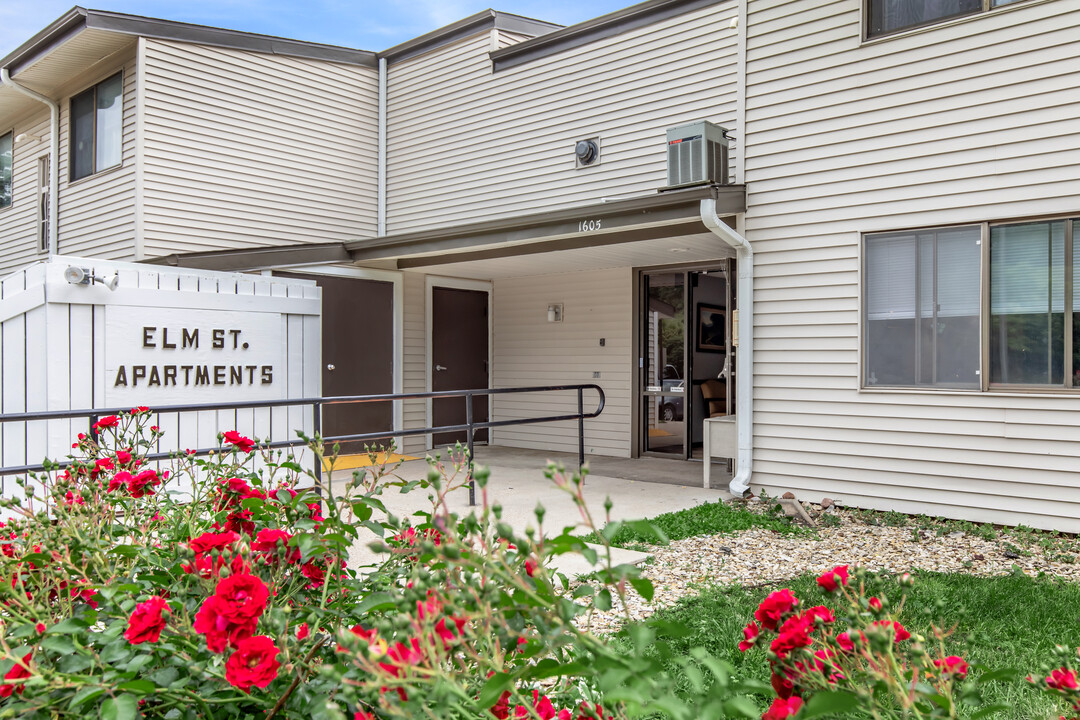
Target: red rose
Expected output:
[543,706]
[220,631]
[19,671]
[952,665]
[244,595]
[875,604]
[146,623]
[100,466]
[782,708]
[845,642]
[119,480]
[361,715]
[139,410]
[302,632]
[750,635]
[820,612]
[794,634]
[203,545]
[1063,679]
[241,443]
[782,685]
[123,456]
[238,521]
[833,579]
[40,627]
[143,483]
[254,663]
[84,593]
[313,573]
[900,631]
[109,421]
[530,566]
[267,542]
[500,709]
[774,607]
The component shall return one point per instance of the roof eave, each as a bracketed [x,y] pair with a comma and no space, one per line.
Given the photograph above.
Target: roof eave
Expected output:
[67,25]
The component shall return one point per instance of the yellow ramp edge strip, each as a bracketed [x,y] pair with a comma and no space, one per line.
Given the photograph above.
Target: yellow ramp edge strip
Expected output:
[351,462]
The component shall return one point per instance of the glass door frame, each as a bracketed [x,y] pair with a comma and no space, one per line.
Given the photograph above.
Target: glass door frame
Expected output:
[639,427]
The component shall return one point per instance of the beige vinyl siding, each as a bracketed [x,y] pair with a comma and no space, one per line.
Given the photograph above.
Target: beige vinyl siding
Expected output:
[968,121]
[97,213]
[246,149]
[531,351]
[414,352]
[467,145]
[505,38]
[18,222]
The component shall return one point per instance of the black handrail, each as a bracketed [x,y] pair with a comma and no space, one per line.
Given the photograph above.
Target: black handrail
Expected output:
[317,403]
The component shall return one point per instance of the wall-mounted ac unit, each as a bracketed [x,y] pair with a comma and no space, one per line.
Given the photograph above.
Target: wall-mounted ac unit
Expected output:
[697,155]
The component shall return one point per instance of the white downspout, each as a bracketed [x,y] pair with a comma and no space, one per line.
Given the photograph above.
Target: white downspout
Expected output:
[744,363]
[54,156]
[381,193]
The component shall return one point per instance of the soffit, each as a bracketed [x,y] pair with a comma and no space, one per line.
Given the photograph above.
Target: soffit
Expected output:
[679,249]
[78,54]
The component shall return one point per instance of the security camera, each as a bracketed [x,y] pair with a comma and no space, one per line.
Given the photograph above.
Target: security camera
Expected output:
[83,276]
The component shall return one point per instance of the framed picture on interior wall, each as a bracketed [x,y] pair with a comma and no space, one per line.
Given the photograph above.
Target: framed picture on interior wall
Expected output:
[711,328]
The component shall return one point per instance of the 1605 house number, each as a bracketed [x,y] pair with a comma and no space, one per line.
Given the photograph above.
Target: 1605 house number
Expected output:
[194,374]
[589,225]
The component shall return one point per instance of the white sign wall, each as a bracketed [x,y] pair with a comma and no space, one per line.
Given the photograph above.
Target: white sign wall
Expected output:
[164,336]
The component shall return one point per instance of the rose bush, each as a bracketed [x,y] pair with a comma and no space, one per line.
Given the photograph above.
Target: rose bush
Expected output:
[218,588]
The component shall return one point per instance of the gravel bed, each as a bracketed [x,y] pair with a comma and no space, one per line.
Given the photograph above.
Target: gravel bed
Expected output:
[758,557]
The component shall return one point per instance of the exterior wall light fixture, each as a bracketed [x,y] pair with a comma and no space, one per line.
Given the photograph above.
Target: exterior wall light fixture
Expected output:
[555,312]
[83,276]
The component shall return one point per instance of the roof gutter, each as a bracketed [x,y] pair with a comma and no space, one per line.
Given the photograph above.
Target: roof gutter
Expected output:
[54,155]
[744,361]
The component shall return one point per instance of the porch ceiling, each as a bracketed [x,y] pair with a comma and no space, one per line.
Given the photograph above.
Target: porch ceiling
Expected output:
[691,248]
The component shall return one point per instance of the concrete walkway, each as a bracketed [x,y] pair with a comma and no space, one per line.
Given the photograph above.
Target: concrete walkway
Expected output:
[518,484]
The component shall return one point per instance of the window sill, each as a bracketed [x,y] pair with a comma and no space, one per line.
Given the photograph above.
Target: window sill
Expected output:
[946,23]
[993,392]
[99,173]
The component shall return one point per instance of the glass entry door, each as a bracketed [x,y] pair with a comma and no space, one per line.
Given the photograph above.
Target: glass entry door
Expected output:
[686,356]
[664,363]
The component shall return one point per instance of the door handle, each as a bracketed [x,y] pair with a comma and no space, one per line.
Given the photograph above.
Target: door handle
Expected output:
[440,367]
[330,367]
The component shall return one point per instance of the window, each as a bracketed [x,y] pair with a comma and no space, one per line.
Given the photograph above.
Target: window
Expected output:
[96,127]
[6,142]
[922,308]
[888,16]
[43,203]
[940,307]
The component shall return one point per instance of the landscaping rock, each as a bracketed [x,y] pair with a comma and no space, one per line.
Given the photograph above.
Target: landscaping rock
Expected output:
[788,495]
[764,558]
[826,503]
[795,510]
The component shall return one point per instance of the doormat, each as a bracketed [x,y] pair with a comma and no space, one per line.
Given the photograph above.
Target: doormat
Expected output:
[350,462]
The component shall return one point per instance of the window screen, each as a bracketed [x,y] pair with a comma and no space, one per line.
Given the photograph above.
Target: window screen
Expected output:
[922,295]
[5,169]
[886,16]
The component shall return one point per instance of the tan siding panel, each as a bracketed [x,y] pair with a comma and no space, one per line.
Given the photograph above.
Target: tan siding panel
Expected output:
[502,144]
[970,121]
[246,149]
[531,351]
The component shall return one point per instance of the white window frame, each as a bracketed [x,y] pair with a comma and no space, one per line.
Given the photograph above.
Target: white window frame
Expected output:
[11,132]
[988,6]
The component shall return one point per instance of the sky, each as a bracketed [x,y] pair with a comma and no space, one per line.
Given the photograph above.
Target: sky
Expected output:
[364,24]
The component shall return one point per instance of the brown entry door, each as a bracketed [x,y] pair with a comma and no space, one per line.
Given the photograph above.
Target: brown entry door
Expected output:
[357,355]
[459,358]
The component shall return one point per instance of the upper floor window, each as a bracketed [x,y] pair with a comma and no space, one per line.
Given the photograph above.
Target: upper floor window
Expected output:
[888,16]
[5,169]
[97,127]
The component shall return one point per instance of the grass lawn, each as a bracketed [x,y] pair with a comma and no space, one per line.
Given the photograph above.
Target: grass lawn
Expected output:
[704,519]
[1012,621]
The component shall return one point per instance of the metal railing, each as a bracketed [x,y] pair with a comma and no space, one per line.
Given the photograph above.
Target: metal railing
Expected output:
[470,426]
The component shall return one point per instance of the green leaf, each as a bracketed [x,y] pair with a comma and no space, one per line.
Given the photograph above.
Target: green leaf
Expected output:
[121,707]
[828,704]
[1007,674]
[496,685]
[644,588]
[740,706]
[374,602]
[140,687]
[71,625]
[59,644]
[603,600]
[85,695]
